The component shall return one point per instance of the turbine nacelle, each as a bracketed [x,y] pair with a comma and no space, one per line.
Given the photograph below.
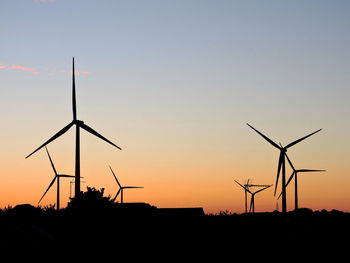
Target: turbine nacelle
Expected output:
[78,122]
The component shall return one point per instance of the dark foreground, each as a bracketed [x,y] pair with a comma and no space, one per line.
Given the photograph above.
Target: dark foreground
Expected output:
[142,230]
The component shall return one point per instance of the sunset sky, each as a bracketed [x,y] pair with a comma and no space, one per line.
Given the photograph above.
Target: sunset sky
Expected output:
[173,83]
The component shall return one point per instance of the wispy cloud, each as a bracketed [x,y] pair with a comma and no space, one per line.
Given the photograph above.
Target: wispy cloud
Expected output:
[18,67]
[22,68]
[35,71]
[82,72]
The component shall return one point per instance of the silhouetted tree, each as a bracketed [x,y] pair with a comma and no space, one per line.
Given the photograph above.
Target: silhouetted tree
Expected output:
[92,200]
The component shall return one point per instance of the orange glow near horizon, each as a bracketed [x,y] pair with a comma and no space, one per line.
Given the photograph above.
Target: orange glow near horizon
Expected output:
[170,178]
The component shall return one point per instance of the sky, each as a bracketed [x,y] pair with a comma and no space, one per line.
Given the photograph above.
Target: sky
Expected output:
[173,83]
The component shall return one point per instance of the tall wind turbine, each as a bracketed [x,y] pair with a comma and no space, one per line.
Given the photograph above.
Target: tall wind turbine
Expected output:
[79,124]
[295,175]
[58,176]
[252,200]
[281,163]
[121,188]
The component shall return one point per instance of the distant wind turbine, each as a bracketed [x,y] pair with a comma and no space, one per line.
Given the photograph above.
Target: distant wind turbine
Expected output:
[79,124]
[58,176]
[295,176]
[246,189]
[121,188]
[281,163]
[252,200]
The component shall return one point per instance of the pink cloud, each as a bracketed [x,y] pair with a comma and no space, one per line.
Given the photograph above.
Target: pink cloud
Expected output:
[22,68]
[34,71]
[77,73]
[2,66]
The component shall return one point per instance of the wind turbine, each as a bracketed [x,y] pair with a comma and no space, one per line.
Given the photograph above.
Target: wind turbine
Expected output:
[58,176]
[121,188]
[252,203]
[281,163]
[246,189]
[79,124]
[295,175]
[252,200]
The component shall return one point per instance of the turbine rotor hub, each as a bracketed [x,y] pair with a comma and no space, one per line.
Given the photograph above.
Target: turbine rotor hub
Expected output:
[78,122]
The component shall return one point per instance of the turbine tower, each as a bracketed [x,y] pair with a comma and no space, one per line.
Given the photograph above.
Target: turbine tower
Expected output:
[295,175]
[78,124]
[121,188]
[281,163]
[58,176]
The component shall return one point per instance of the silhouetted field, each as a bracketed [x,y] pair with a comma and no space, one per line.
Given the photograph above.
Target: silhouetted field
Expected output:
[142,229]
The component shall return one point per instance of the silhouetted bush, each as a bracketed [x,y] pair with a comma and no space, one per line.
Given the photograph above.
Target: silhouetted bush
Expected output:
[303,211]
[91,201]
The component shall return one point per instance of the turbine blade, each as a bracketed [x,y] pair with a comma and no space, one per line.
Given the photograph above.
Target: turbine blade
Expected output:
[53,167]
[87,128]
[310,170]
[301,139]
[258,185]
[73,94]
[290,163]
[52,182]
[278,170]
[61,132]
[117,194]
[242,186]
[279,196]
[290,178]
[262,189]
[266,138]
[115,176]
[251,203]
[129,187]
[66,175]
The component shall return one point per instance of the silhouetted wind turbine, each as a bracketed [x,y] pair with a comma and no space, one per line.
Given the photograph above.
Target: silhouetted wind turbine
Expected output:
[252,200]
[79,124]
[246,189]
[58,176]
[121,188]
[281,163]
[295,175]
